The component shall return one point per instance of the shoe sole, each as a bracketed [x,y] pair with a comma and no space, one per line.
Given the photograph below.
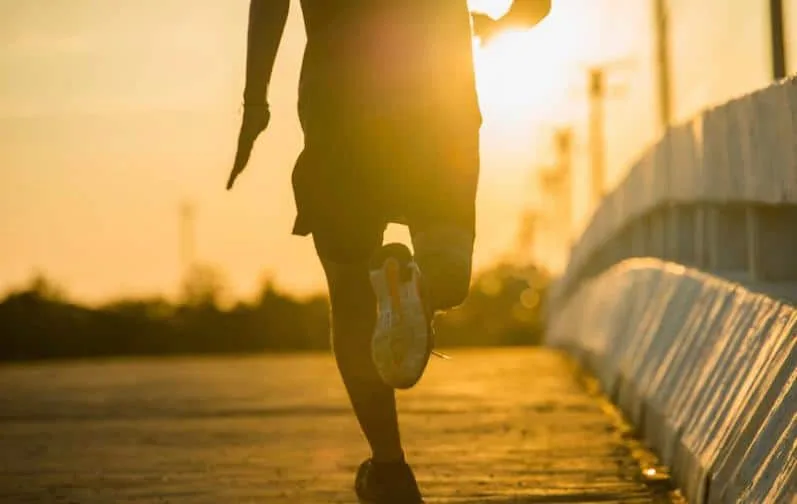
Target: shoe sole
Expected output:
[387,345]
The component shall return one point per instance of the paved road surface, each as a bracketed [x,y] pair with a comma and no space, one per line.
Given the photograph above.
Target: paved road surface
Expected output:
[497,426]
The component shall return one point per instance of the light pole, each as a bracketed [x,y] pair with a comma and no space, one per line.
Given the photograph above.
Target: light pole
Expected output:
[597,94]
[187,217]
[527,236]
[556,187]
[598,90]
[662,31]
[777,38]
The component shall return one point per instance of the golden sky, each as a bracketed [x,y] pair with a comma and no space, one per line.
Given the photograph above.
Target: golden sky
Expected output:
[112,112]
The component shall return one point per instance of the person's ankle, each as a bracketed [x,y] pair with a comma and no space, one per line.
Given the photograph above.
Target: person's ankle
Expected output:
[388,458]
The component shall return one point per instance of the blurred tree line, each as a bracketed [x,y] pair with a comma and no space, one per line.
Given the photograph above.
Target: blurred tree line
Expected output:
[39,322]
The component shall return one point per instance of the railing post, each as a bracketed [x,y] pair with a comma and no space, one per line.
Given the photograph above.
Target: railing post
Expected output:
[681,234]
[702,237]
[772,242]
[639,237]
[752,243]
[658,233]
[728,238]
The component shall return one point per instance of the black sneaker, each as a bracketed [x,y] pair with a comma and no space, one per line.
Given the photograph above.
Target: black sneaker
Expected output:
[386,483]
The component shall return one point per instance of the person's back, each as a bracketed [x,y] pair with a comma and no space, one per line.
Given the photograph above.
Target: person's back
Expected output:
[374,55]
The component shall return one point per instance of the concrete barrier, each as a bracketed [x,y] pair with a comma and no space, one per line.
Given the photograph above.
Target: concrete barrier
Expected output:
[703,364]
[718,193]
[705,368]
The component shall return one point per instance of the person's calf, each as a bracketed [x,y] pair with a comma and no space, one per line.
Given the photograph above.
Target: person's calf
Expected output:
[352,317]
[444,255]
[353,307]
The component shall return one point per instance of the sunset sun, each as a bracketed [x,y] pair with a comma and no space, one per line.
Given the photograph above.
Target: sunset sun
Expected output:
[518,72]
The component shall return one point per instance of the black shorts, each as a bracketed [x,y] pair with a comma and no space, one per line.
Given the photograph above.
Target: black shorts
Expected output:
[347,191]
[444,254]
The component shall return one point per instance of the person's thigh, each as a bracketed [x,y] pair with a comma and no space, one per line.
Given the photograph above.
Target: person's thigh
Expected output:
[347,243]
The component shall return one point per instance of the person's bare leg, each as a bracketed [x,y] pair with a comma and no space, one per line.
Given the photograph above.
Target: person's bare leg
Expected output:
[444,255]
[353,317]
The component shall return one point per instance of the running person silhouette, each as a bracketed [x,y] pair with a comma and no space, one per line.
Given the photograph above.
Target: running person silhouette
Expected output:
[388,106]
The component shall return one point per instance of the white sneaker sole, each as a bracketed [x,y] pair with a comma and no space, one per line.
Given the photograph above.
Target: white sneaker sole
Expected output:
[403,340]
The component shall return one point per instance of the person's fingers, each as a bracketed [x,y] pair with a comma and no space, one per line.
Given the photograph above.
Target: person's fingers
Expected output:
[236,170]
[242,155]
[251,128]
[231,179]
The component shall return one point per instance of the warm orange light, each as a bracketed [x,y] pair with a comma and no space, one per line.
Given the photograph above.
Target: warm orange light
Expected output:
[520,73]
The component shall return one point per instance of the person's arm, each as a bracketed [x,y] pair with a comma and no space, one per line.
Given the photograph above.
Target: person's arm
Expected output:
[267,20]
[266,23]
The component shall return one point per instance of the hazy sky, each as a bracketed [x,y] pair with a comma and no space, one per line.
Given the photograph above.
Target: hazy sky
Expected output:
[112,112]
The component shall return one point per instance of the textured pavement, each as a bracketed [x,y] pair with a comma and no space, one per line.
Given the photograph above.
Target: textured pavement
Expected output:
[489,426]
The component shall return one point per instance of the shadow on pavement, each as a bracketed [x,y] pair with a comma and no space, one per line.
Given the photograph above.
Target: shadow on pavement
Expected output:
[580,498]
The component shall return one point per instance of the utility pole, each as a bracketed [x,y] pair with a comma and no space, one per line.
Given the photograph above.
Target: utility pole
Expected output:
[598,91]
[662,30]
[564,155]
[187,249]
[556,183]
[597,140]
[778,43]
[526,238]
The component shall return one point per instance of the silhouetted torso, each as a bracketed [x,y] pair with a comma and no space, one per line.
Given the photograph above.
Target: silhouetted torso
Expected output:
[373,55]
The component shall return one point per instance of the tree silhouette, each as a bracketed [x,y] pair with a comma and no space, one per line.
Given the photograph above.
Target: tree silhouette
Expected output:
[505,307]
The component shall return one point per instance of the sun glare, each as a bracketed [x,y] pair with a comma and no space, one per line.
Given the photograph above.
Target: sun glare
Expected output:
[521,74]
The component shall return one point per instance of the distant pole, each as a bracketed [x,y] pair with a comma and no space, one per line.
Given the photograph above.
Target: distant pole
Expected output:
[187,218]
[778,44]
[564,154]
[662,29]
[597,95]
[526,240]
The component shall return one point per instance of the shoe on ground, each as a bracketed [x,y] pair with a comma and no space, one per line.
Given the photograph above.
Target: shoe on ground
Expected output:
[386,483]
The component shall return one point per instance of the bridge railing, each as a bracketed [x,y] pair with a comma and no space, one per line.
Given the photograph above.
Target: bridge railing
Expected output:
[703,367]
[718,193]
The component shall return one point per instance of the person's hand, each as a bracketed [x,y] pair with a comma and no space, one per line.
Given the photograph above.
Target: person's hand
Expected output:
[485,27]
[522,15]
[254,122]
